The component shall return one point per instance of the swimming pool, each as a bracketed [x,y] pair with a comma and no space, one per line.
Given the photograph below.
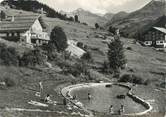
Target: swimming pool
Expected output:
[103,97]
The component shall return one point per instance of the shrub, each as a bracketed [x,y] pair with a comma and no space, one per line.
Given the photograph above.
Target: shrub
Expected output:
[59,39]
[76,18]
[76,69]
[71,19]
[106,67]
[33,58]
[87,56]
[10,81]
[97,25]
[147,82]
[67,55]
[132,79]
[112,30]
[80,45]
[85,24]
[129,48]
[126,78]
[8,55]
[50,50]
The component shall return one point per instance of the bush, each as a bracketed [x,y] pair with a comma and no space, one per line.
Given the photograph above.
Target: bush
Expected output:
[85,24]
[67,55]
[87,57]
[33,58]
[76,18]
[106,67]
[129,48]
[76,69]
[50,50]
[8,55]
[59,39]
[80,45]
[10,81]
[112,30]
[97,25]
[132,79]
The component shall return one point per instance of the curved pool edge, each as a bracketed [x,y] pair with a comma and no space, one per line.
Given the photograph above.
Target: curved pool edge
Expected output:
[139,100]
[66,93]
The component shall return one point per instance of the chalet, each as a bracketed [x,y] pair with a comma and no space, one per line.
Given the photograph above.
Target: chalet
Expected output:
[155,36]
[24,28]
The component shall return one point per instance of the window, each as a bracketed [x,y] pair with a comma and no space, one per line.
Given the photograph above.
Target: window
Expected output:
[159,42]
[148,42]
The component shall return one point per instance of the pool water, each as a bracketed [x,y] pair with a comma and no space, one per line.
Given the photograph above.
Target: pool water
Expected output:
[103,97]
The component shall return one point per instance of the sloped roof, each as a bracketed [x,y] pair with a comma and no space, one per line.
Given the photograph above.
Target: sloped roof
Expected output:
[163,30]
[75,51]
[22,21]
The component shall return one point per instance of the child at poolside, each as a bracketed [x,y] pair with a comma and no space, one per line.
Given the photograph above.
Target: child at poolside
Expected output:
[111,109]
[122,109]
[74,97]
[47,98]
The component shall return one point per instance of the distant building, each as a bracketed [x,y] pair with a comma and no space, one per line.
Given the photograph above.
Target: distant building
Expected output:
[23,28]
[155,36]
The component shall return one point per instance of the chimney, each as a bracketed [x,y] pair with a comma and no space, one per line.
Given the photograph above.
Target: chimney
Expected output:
[13,18]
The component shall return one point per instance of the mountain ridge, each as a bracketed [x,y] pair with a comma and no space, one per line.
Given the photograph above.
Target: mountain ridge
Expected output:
[130,24]
[86,17]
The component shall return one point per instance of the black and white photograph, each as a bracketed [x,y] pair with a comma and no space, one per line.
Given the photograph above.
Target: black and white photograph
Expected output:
[82,58]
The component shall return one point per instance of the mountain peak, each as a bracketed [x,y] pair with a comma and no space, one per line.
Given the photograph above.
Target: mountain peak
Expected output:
[80,9]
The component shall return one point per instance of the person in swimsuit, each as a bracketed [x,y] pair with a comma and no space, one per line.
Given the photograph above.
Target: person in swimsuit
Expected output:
[89,96]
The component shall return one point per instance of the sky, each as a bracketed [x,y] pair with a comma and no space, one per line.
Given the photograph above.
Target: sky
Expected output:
[97,6]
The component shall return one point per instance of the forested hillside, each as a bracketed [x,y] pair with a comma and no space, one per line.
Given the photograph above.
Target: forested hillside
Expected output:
[34,6]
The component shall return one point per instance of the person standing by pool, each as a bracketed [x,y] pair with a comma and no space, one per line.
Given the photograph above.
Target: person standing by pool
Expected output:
[121,110]
[89,96]
[41,88]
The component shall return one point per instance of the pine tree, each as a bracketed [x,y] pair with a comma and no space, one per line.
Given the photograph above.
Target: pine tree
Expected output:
[116,55]
[76,18]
